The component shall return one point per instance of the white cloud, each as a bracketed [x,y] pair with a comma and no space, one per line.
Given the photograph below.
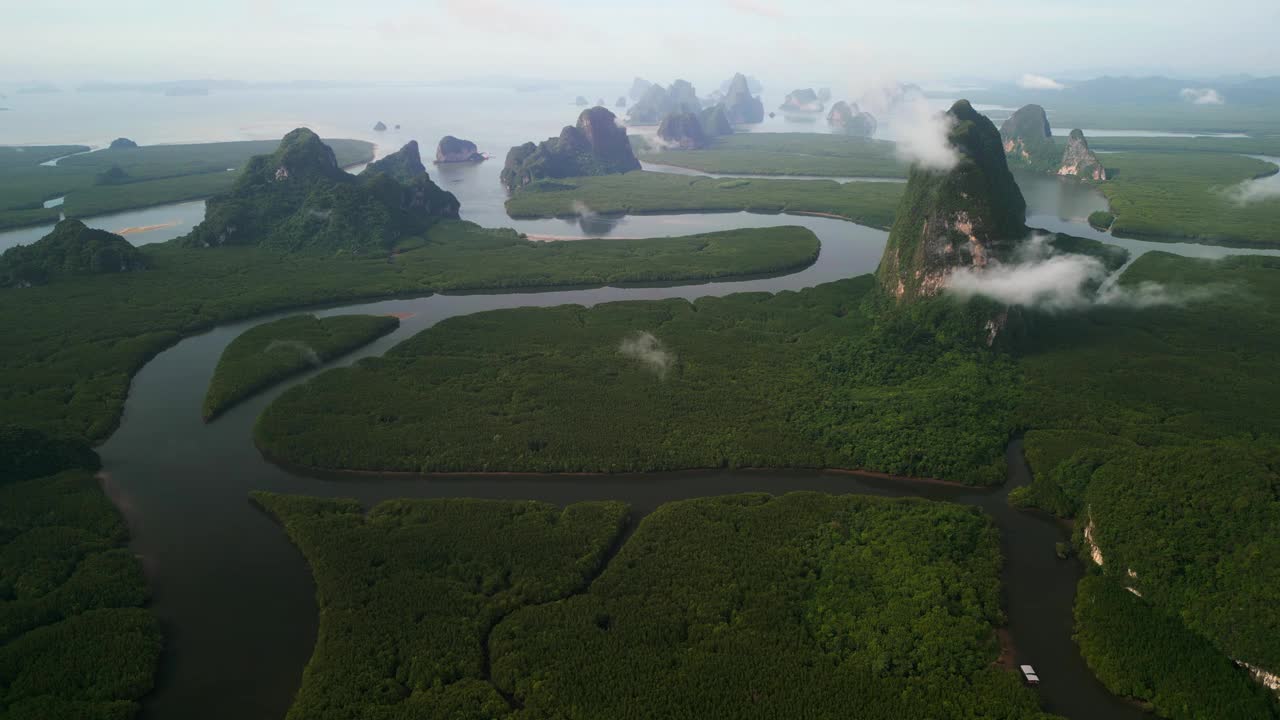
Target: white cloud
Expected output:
[922,134]
[646,348]
[1039,279]
[1201,96]
[1031,81]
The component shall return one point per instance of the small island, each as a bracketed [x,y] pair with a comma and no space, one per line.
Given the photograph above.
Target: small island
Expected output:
[682,131]
[1079,161]
[455,150]
[740,105]
[597,145]
[379,126]
[804,100]
[266,354]
[658,102]
[847,118]
[1028,140]
[122,144]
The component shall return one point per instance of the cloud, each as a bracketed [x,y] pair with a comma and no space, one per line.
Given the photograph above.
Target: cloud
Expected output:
[756,7]
[1039,279]
[646,348]
[1201,96]
[1252,191]
[923,135]
[303,349]
[1031,81]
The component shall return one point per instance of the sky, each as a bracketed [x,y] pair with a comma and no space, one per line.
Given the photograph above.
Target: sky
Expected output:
[837,42]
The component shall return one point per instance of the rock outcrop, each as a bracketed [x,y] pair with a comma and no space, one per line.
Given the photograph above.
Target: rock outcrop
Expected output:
[379,126]
[580,101]
[597,145]
[659,102]
[965,217]
[405,164]
[1079,161]
[804,100]
[715,122]
[1028,140]
[455,150]
[122,144]
[740,105]
[639,87]
[682,131]
[297,198]
[850,120]
[71,249]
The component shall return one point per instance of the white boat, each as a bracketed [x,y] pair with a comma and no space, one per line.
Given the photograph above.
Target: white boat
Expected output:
[1029,673]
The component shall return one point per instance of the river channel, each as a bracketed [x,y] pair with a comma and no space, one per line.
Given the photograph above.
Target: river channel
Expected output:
[237,601]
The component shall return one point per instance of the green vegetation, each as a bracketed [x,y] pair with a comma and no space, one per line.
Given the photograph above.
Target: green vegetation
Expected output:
[71,347]
[790,154]
[866,203]
[750,606]
[74,642]
[1101,220]
[266,354]
[816,378]
[70,250]
[409,593]
[1139,651]
[1197,525]
[155,175]
[1264,145]
[740,606]
[1178,487]
[1189,195]
[298,198]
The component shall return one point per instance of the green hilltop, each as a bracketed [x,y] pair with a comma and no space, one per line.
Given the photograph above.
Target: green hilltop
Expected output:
[71,249]
[298,198]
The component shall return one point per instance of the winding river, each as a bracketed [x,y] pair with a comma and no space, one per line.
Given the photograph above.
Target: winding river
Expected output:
[237,601]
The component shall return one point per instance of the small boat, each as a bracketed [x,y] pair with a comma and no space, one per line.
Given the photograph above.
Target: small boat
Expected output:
[1029,673]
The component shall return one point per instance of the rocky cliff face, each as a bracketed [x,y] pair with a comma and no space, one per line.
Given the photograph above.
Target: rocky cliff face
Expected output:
[404,165]
[683,131]
[639,87]
[967,216]
[455,150]
[1028,140]
[803,100]
[1079,161]
[595,146]
[70,249]
[739,104]
[659,102]
[850,120]
[298,198]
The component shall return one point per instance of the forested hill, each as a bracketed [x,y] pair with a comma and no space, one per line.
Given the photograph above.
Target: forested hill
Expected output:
[298,198]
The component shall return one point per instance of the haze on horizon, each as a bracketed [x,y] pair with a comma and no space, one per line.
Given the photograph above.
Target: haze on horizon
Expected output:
[818,41]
